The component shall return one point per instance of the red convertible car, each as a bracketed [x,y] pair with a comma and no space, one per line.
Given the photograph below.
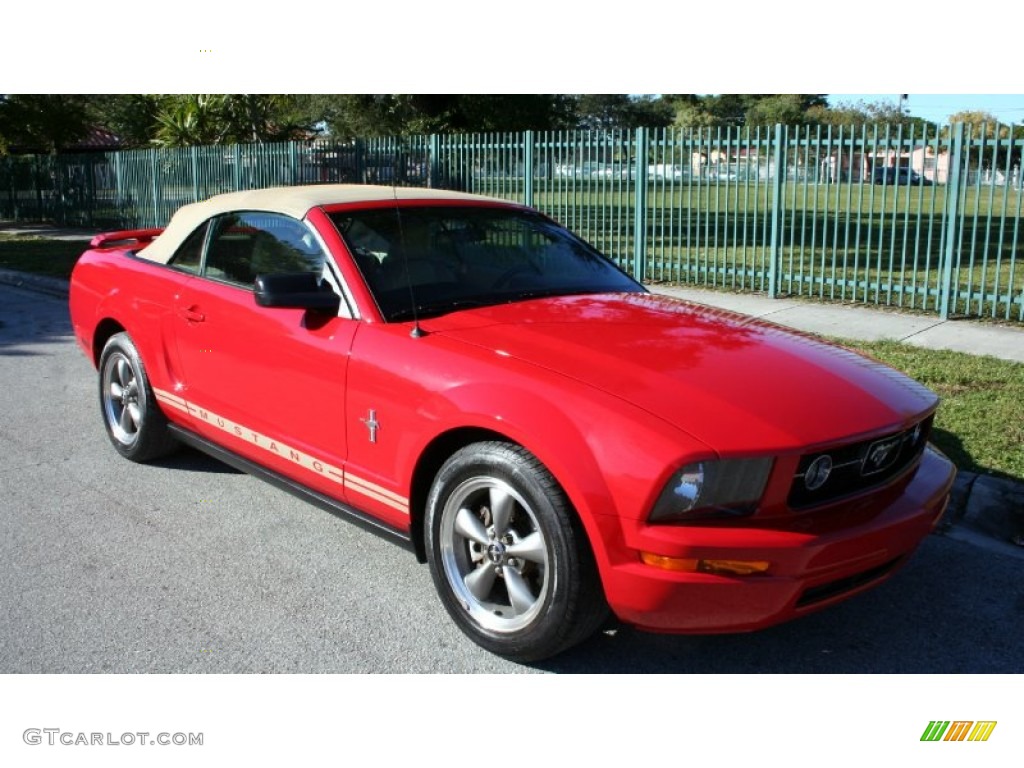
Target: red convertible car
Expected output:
[465,376]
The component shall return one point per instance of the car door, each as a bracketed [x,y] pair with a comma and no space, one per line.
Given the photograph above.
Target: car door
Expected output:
[266,383]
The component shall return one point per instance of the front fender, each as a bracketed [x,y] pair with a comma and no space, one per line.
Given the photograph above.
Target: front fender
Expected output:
[610,458]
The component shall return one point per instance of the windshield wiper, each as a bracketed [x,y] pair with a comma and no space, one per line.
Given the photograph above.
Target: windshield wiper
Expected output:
[543,293]
[436,309]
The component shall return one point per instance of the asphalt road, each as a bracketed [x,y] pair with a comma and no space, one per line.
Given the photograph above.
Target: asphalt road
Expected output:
[188,566]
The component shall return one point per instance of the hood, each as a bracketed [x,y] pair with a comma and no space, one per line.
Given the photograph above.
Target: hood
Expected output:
[734,383]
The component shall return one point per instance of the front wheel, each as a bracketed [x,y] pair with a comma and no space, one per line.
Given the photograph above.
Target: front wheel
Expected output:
[135,425]
[508,556]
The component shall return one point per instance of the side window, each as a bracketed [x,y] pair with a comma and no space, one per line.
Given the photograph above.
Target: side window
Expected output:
[189,255]
[244,245]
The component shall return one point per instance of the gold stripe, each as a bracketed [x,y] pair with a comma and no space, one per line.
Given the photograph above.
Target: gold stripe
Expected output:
[354,480]
[172,400]
[377,497]
[275,447]
[309,463]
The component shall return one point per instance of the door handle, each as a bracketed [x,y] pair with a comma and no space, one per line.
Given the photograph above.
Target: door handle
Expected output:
[192,315]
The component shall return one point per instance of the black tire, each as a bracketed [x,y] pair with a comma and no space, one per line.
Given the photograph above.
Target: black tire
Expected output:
[135,425]
[508,556]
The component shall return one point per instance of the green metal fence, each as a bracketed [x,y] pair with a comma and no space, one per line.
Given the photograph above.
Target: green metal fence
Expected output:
[876,215]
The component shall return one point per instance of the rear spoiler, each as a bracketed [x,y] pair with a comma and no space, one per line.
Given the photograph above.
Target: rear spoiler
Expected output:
[137,237]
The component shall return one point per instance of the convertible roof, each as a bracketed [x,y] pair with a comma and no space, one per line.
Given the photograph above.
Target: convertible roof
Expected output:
[292,201]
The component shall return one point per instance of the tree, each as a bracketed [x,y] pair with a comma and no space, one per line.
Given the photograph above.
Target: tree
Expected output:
[860,113]
[736,109]
[980,124]
[354,115]
[42,123]
[190,120]
[263,117]
[194,119]
[728,109]
[841,114]
[785,109]
[607,111]
[693,115]
[130,117]
[515,112]
[348,116]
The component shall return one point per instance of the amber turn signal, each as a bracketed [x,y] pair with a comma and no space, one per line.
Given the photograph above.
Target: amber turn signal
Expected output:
[718,567]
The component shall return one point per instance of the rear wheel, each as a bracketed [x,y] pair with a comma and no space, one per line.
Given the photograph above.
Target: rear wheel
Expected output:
[135,425]
[508,556]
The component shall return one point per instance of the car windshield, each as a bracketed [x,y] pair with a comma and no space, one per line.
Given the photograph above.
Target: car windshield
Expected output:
[442,258]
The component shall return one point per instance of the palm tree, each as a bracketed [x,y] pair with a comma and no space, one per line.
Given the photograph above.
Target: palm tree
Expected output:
[190,120]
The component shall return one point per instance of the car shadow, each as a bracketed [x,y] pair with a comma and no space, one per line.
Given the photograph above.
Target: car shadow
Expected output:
[195,461]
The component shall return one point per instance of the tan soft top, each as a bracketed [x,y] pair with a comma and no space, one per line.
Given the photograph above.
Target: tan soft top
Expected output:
[292,201]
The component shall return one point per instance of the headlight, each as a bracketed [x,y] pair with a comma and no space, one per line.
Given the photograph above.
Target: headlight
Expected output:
[714,488]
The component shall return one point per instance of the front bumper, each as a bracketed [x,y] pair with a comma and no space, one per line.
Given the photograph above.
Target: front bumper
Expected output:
[812,565]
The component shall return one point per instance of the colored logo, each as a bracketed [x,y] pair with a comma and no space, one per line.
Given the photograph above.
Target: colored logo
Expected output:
[959,730]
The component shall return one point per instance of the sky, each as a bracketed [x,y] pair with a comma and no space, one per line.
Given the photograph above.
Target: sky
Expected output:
[937,107]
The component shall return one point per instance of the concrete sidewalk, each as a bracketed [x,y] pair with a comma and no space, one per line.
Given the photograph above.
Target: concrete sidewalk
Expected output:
[984,510]
[49,231]
[976,337]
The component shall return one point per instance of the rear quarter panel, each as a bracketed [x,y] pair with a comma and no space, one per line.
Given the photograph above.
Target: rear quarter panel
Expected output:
[110,289]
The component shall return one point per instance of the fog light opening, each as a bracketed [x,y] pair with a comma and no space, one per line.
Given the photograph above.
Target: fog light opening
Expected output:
[735,567]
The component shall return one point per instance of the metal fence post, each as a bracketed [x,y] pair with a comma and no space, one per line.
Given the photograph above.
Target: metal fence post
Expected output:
[951,213]
[118,190]
[57,168]
[778,212]
[237,180]
[194,152]
[640,138]
[12,170]
[39,187]
[91,183]
[360,160]
[156,193]
[528,168]
[434,179]
[11,209]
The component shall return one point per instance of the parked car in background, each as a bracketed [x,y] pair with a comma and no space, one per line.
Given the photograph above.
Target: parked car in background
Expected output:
[904,176]
[667,172]
[466,377]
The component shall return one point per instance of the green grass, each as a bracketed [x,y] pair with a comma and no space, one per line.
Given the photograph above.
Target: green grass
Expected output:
[980,423]
[882,245]
[993,290]
[746,197]
[39,255]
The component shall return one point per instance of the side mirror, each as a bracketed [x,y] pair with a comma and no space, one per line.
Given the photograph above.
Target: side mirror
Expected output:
[295,290]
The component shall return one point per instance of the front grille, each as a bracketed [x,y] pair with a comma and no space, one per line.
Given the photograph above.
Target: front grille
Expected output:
[858,467]
[840,586]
